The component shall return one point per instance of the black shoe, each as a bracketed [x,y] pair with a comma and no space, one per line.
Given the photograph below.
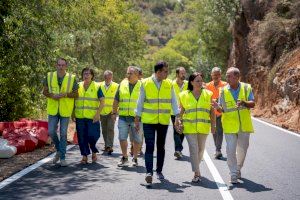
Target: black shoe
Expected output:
[109,150]
[218,155]
[160,176]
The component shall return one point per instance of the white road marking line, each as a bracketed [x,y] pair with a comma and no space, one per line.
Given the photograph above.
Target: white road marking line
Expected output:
[276,127]
[28,169]
[217,177]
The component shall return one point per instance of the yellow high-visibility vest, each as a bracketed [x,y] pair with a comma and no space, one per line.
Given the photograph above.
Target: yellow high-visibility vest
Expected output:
[157,105]
[109,96]
[127,101]
[196,117]
[63,106]
[177,90]
[87,104]
[235,119]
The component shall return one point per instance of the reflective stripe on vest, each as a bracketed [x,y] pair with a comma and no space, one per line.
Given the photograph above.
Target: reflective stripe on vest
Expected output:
[157,104]
[177,90]
[87,104]
[235,120]
[196,117]
[109,96]
[128,101]
[63,106]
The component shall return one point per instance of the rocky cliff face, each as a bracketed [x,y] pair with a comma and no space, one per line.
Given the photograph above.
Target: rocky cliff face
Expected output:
[266,49]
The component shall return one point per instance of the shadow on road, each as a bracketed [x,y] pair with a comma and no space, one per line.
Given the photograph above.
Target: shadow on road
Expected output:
[250,186]
[167,185]
[206,183]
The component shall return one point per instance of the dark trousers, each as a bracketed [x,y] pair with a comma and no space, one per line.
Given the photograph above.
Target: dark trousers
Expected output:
[88,134]
[218,137]
[149,133]
[178,138]
[108,132]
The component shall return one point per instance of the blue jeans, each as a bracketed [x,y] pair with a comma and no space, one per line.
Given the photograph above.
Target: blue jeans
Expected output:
[178,138]
[149,134]
[60,144]
[88,134]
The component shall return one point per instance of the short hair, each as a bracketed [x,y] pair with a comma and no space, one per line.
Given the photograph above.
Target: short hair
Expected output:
[159,65]
[90,70]
[178,69]
[192,78]
[216,69]
[136,70]
[236,71]
[63,59]
[140,70]
[107,72]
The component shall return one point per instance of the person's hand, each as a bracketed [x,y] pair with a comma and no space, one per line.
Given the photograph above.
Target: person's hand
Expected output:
[96,118]
[240,103]
[137,123]
[213,130]
[114,116]
[73,118]
[178,125]
[58,96]
[214,104]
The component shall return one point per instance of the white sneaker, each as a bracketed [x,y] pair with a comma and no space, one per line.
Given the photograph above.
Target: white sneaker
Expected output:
[56,158]
[63,163]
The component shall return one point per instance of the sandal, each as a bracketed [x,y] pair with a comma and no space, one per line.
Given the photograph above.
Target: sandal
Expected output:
[84,160]
[94,157]
[196,179]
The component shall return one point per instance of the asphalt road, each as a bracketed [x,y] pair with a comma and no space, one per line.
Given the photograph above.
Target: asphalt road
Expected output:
[271,171]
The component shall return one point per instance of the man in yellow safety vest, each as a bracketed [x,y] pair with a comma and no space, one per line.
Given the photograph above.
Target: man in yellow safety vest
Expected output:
[126,100]
[157,98]
[235,102]
[179,85]
[60,88]
[109,89]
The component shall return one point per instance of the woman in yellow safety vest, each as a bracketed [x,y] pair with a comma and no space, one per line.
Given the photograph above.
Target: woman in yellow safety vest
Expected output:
[87,113]
[197,119]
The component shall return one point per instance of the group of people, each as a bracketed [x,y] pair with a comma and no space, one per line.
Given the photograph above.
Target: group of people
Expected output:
[145,108]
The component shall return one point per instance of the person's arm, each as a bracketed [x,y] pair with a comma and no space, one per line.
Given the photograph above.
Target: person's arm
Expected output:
[174,103]
[250,103]
[101,105]
[178,120]
[212,120]
[139,109]
[48,94]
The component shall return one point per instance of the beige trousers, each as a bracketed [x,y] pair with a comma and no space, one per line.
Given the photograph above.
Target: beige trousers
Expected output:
[196,146]
[236,149]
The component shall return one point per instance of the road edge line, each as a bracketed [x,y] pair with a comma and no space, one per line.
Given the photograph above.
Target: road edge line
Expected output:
[25,171]
[217,177]
[276,127]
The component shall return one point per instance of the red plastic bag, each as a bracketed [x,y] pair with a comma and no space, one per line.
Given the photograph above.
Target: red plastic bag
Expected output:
[75,138]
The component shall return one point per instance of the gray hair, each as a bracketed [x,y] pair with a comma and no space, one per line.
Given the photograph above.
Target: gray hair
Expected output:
[140,70]
[216,69]
[236,71]
[136,69]
[107,72]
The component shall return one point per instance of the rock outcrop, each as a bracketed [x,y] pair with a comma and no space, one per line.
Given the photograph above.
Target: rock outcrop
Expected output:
[266,49]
